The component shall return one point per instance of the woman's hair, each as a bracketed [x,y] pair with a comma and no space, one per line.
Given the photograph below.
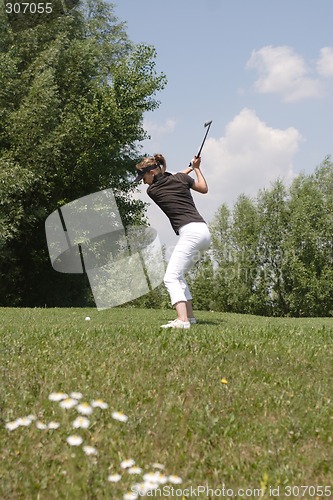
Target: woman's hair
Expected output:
[148,161]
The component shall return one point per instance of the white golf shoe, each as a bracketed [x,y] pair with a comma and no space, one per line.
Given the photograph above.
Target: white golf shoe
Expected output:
[177,323]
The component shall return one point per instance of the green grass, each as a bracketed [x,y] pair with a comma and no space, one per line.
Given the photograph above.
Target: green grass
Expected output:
[270,425]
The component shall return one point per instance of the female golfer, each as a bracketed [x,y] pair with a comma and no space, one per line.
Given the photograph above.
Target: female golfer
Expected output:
[171,192]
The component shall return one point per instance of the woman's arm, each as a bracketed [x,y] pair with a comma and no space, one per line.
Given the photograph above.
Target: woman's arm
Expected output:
[187,170]
[200,183]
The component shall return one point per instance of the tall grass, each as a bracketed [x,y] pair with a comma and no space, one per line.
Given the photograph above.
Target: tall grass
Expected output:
[240,401]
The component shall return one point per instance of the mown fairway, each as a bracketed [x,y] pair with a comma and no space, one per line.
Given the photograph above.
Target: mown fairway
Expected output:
[237,400]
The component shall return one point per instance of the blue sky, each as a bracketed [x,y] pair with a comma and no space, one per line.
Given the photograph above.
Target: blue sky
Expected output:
[261,70]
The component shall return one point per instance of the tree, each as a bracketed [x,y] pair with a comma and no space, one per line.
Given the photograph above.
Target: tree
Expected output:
[274,255]
[274,215]
[72,97]
[309,273]
[234,243]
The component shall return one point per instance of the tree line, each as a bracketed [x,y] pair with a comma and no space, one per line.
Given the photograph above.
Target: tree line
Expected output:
[273,254]
[73,92]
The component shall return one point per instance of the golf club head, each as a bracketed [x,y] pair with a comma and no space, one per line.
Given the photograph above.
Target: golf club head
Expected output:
[207,123]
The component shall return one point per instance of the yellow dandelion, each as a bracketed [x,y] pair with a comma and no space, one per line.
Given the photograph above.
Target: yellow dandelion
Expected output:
[224,381]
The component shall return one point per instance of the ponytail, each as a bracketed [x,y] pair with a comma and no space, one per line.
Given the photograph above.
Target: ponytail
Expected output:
[161,161]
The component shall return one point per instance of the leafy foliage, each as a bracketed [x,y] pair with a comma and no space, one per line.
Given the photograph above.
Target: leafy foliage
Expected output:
[72,97]
[273,255]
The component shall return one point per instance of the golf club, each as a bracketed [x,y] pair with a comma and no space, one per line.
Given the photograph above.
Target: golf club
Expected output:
[206,125]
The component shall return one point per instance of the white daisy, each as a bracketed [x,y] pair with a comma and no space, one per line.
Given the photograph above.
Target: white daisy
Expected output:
[144,488]
[155,477]
[140,488]
[89,450]
[76,395]
[159,466]
[68,403]
[41,426]
[175,479]
[81,423]
[134,470]
[53,425]
[57,396]
[74,440]
[130,496]
[99,403]
[11,426]
[84,409]
[24,421]
[117,415]
[126,464]
[114,478]
[149,486]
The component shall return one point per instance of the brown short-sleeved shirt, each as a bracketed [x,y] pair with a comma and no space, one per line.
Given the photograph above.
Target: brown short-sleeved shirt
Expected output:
[172,194]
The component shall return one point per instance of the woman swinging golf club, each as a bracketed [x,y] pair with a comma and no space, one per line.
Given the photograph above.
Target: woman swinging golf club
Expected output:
[172,194]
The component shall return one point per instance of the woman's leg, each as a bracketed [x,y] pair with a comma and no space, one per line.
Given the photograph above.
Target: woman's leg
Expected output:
[181,308]
[194,239]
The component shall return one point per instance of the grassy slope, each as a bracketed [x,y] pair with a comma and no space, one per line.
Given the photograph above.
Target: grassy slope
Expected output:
[269,425]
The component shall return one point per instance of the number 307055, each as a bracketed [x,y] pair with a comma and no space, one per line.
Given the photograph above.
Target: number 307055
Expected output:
[28,8]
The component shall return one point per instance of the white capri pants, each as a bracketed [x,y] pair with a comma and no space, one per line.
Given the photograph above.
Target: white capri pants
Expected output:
[194,240]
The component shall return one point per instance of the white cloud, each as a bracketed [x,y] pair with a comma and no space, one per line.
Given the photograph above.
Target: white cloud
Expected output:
[250,156]
[281,70]
[157,133]
[156,130]
[325,62]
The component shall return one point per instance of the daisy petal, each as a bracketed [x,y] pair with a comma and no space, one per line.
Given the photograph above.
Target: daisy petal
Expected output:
[74,440]
[53,425]
[114,478]
[99,403]
[24,421]
[81,423]
[126,464]
[84,409]
[41,426]
[175,479]
[68,403]
[57,396]
[89,450]
[117,415]
[130,496]
[76,395]
[134,470]
[11,426]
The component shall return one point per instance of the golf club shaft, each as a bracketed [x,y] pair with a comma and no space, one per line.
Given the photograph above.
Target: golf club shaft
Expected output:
[208,124]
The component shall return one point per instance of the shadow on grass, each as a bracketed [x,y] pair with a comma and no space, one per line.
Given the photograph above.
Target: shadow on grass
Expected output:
[209,322]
